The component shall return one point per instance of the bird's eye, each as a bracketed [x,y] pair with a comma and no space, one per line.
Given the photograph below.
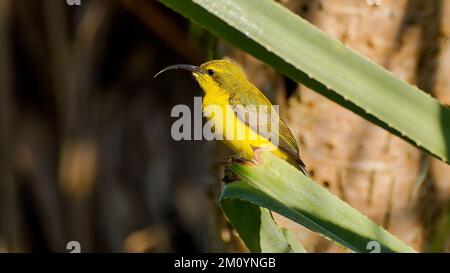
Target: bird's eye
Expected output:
[211,72]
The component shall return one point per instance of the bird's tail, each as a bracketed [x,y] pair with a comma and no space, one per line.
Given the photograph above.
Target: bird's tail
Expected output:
[301,165]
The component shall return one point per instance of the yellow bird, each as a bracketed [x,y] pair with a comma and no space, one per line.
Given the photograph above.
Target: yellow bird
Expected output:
[248,123]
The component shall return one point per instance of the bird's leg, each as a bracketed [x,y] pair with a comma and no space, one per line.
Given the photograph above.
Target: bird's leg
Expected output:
[228,175]
[237,158]
[256,160]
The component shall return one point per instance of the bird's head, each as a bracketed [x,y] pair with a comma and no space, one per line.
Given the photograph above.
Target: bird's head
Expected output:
[220,73]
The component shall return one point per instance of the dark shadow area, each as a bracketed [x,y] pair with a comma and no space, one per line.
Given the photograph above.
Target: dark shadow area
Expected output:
[86,152]
[445,122]
[427,15]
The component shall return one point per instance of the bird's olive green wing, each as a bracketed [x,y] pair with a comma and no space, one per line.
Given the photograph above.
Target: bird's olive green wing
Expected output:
[256,111]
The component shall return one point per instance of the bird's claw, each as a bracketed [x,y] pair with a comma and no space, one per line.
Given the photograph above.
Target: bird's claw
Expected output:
[256,160]
[229,176]
[234,159]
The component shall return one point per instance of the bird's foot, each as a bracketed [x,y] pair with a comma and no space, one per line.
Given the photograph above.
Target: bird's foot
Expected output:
[254,161]
[234,159]
[257,160]
[229,176]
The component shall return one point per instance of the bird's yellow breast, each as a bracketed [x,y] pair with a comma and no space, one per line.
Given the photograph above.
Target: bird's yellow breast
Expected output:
[236,134]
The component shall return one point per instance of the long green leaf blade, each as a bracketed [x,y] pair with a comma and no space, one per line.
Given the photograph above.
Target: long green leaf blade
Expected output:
[297,49]
[278,186]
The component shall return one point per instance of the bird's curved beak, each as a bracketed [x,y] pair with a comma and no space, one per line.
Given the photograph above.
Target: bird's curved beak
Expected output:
[192,68]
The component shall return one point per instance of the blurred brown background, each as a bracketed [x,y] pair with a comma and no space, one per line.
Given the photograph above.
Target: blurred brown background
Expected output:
[85,146]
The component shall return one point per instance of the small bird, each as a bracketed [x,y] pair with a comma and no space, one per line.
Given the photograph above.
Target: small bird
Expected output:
[225,85]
